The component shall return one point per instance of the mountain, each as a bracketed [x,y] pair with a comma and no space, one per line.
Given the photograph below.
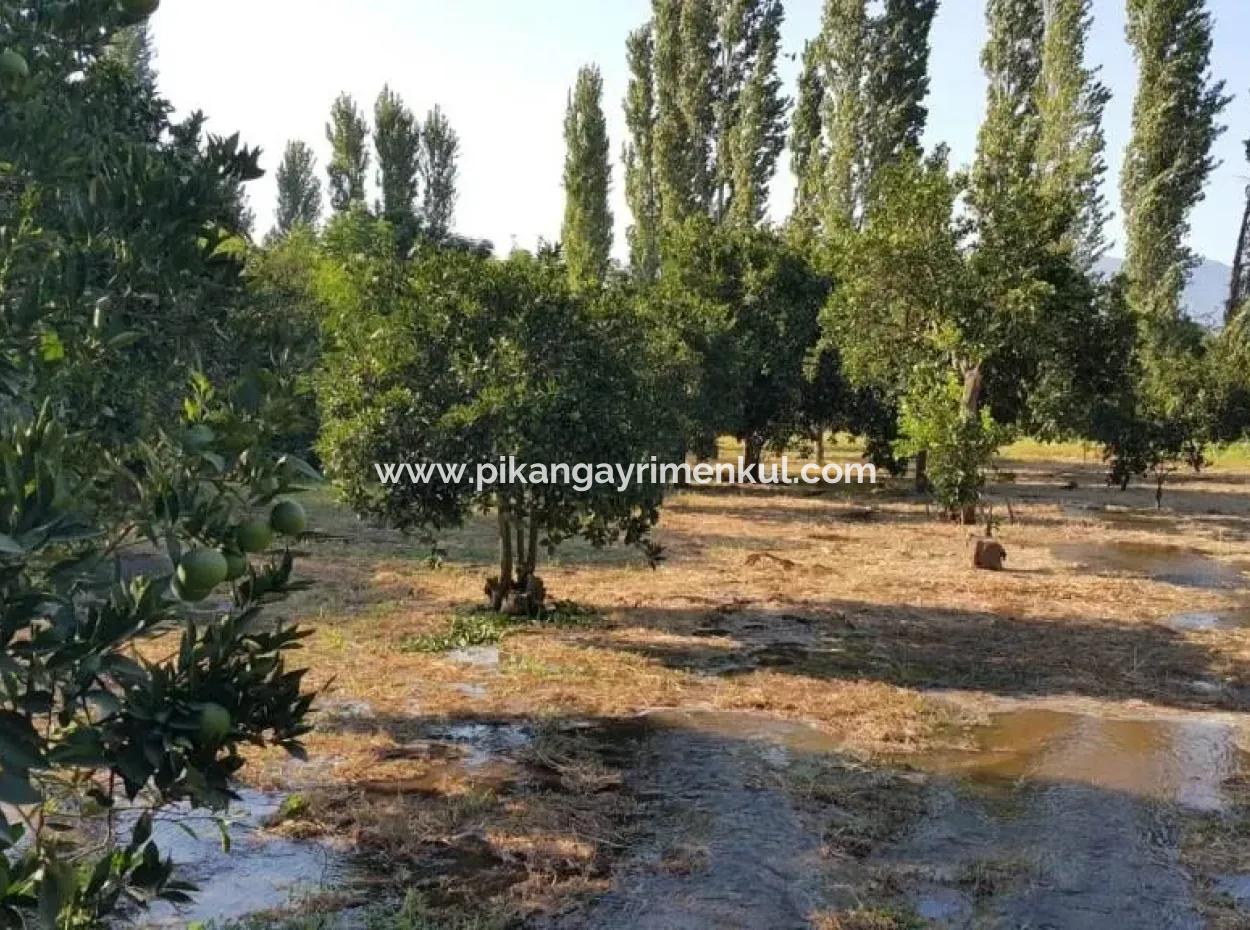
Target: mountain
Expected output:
[1206,295]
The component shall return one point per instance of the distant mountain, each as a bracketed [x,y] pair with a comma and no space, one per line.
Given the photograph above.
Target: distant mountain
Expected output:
[1206,295]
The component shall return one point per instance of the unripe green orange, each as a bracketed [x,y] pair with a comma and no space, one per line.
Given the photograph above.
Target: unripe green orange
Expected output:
[13,65]
[287,518]
[215,723]
[201,570]
[183,593]
[254,536]
[236,564]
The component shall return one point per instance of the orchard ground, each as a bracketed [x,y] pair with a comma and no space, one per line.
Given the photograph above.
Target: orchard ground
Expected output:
[834,671]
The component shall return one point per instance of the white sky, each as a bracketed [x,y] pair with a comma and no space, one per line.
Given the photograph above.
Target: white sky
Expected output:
[501,70]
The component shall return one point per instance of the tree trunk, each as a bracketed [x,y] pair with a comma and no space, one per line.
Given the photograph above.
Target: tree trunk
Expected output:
[753,451]
[518,527]
[1239,290]
[973,381]
[922,472]
[820,448]
[499,596]
[531,555]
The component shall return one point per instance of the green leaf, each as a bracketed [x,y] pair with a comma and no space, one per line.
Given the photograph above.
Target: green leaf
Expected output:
[16,789]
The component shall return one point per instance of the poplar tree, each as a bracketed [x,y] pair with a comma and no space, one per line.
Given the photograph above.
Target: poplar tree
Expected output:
[843,40]
[587,231]
[438,172]
[861,105]
[1005,169]
[754,114]
[299,191]
[397,139]
[896,83]
[1071,142]
[1169,156]
[807,151]
[1239,290]
[697,96]
[348,135]
[639,156]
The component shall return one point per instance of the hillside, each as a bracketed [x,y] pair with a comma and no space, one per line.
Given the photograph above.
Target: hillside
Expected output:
[1206,294]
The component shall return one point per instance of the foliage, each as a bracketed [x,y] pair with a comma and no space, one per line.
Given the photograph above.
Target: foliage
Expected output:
[586,237]
[960,444]
[641,190]
[459,358]
[120,263]
[746,304]
[861,106]
[348,135]
[1071,142]
[299,191]
[436,168]
[1165,416]
[276,347]
[482,626]
[397,138]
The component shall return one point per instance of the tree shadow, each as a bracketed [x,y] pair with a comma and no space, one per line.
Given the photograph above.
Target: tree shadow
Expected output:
[932,648]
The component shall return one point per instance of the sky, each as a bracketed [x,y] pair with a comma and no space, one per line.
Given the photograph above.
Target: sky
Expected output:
[501,70]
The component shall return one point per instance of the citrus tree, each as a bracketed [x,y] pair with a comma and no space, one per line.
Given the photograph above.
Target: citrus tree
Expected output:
[457,358]
[138,534]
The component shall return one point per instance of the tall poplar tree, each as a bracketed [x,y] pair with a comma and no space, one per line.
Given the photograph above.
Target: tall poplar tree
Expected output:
[1239,289]
[807,149]
[438,170]
[861,105]
[697,96]
[348,135]
[587,231]
[299,191]
[1005,169]
[1175,124]
[753,113]
[896,83]
[397,139]
[844,41]
[639,156]
[1071,142]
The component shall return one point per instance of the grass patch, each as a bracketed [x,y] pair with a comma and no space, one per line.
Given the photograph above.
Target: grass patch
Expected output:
[480,626]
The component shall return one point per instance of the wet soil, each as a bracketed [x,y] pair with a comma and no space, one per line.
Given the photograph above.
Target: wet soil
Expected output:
[259,872]
[1169,564]
[727,850]
[1065,820]
[1047,818]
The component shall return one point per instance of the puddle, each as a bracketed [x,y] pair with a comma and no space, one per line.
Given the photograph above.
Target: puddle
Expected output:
[1120,516]
[1201,620]
[943,905]
[1172,760]
[486,657]
[1236,887]
[483,743]
[724,849]
[740,725]
[260,872]
[1170,564]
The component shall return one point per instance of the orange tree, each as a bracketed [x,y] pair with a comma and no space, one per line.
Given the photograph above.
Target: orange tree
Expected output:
[120,250]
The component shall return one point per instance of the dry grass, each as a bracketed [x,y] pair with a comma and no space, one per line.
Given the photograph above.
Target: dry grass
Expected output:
[842,608]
